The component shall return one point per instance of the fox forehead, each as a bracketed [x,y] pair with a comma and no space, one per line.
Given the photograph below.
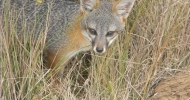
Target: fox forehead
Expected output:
[103,25]
[104,6]
[103,18]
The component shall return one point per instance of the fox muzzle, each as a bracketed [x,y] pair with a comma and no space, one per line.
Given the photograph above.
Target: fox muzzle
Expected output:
[99,45]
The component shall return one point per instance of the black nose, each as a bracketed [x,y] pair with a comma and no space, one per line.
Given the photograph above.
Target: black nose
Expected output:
[99,50]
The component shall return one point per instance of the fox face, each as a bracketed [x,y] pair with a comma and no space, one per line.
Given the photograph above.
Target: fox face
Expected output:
[103,21]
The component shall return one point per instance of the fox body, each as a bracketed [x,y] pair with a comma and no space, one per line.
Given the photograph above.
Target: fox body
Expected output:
[74,27]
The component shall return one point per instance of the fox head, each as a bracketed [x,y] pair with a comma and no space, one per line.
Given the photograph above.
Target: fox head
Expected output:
[103,21]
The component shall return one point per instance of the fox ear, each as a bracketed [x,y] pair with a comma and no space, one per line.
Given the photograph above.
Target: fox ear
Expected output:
[123,7]
[88,5]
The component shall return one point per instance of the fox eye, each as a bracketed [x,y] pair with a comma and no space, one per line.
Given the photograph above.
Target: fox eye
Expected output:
[92,31]
[110,33]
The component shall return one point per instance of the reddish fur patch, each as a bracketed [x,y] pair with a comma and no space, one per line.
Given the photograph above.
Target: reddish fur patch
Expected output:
[114,4]
[75,40]
[114,10]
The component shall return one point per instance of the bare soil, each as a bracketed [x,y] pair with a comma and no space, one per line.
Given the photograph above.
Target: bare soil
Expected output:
[176,87]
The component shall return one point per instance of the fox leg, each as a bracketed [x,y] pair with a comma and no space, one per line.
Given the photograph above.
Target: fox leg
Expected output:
[56,61]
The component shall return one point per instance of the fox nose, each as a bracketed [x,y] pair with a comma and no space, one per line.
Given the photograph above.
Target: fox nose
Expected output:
[99,50]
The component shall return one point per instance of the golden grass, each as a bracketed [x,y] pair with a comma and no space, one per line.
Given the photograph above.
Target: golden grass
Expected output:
[155,44]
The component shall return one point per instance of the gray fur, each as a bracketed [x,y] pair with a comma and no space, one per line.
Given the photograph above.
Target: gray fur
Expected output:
[61,14]
[102,18]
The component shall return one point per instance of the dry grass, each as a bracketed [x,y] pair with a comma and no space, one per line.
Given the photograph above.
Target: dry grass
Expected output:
[155,44]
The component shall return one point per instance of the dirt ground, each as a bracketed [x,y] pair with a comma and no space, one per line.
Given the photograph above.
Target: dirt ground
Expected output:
[174,88]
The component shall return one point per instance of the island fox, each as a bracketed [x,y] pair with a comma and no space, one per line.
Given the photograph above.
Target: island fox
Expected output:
[89,25]
[74,27]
